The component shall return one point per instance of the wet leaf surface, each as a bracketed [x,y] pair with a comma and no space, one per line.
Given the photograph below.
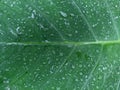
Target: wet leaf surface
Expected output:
[59,45]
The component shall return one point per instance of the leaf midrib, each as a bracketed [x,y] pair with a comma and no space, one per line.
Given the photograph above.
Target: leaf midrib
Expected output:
[66,43]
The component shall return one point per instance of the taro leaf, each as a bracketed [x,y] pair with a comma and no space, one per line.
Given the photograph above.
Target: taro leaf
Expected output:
[59,45]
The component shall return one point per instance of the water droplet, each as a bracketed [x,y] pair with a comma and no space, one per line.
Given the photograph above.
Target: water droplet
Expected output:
[17,29]
[61,54]
[46,41]
[7,88]
[6,81]
[76,31]
[63,14]
[69,35]
[13,32]
[58,88]
[81,73]
[63,78]
[67,23]
[72,15]
[76,80]
[73,66]
[32,16]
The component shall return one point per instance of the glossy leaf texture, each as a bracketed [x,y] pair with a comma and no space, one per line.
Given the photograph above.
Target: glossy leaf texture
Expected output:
[59,45]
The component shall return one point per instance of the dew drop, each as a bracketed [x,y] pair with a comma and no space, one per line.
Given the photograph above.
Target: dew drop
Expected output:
[63,14]
[7,88]
[72,15]
[58,88]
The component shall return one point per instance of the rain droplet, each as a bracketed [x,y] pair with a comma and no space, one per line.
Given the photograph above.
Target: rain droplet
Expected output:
[32,16]
[17,29]
[7,88]
[58,88]
[72,15]
[63,14]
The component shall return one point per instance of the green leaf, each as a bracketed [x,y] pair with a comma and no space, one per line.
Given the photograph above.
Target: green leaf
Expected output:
[59,45]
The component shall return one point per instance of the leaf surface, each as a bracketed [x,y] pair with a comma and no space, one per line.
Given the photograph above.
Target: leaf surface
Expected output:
[59,45]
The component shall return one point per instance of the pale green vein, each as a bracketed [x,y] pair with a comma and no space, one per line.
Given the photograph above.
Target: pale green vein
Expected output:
[63,63]
[112,18]
[92,71]
[45,17]
[67,43]
[84,17]
[118,85]
[66,59]
[50,23]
